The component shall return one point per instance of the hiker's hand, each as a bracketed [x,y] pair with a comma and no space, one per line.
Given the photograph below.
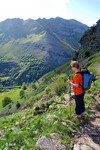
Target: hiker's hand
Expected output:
[69,81]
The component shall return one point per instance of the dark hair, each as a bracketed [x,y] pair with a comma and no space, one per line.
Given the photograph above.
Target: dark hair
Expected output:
[75,64]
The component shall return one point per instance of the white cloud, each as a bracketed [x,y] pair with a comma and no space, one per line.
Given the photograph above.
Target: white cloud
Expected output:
[32,9]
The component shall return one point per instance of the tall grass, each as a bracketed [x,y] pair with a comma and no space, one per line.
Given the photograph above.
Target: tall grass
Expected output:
[60,84]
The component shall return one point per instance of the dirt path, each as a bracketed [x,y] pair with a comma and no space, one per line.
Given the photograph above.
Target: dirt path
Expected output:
[88,137]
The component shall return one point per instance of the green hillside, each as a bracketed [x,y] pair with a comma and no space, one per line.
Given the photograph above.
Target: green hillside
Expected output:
[31,48]
[42,112]
[45,110]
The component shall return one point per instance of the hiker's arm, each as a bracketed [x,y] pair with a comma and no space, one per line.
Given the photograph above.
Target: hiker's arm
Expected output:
[73,84]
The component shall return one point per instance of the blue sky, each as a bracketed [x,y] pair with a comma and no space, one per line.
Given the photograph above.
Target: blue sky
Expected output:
[85,11]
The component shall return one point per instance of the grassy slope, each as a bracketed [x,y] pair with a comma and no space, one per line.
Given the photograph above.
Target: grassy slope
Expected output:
[19,130]
[10,48]
[90,64]
[24,128]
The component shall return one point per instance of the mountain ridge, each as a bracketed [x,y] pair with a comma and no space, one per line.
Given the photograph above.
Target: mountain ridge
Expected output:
[45,118]
[43,42]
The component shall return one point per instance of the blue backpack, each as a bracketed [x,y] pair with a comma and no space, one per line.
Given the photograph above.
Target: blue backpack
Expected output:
[87,78]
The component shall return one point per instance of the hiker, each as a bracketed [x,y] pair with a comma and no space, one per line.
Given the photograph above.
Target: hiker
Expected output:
[76,82]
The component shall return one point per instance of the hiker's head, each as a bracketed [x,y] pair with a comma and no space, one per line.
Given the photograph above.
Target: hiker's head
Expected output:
[75,65]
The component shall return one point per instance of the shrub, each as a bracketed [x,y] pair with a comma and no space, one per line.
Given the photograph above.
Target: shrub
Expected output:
[59,86]
[87,54]
[37,108]
[22,93]
[24,86]
[94,38]
[76,53]
[6,101]
[42,106]
[48,91]
[9,106]
[47,104]
[34,86]
[17,105]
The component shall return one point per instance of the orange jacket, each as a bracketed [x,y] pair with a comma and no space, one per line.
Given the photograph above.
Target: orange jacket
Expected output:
[77,79]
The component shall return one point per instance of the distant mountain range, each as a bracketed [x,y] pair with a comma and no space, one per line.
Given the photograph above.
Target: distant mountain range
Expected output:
[31,48]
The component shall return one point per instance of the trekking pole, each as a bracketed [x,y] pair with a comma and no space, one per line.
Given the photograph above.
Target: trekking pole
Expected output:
[70,95]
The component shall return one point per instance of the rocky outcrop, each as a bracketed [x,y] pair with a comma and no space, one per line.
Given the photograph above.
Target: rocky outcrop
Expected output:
[49,144]
[90,41]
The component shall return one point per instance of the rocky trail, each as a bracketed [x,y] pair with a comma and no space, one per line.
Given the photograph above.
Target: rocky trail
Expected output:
[88,136]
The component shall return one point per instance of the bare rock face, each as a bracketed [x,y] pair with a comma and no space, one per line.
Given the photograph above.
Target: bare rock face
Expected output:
[49,144]
[90,41]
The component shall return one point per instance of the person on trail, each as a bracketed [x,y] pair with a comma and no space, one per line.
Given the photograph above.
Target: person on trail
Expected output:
[76,82]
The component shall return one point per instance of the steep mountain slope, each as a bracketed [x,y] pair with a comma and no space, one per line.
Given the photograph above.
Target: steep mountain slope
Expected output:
[30,44]
[90,41]
[48,122]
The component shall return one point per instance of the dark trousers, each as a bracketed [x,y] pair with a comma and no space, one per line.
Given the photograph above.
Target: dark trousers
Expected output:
[80,108]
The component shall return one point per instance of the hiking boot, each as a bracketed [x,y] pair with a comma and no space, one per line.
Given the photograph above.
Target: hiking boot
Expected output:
[82,115]
[79,117]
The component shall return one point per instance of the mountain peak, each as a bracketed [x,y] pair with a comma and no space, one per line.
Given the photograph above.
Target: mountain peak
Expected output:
[51,42]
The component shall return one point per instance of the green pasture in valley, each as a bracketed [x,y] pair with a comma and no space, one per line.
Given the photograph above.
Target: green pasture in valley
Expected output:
[4,78]
[14,95]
